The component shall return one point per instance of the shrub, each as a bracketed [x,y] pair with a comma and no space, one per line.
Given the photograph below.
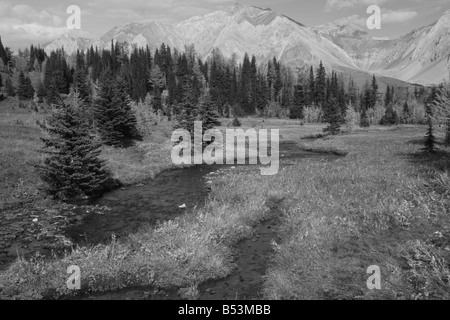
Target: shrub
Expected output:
[236,122]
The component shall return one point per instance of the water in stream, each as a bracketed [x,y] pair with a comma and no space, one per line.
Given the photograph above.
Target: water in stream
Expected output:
[159,200]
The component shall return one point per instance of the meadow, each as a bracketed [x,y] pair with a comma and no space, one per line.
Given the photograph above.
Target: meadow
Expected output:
[382,204]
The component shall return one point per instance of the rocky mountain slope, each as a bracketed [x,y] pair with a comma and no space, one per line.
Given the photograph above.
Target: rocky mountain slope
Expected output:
[421,56]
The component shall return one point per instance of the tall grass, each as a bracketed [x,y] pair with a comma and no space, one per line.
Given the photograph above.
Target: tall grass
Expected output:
[380,205]
[374,207]
[181,253]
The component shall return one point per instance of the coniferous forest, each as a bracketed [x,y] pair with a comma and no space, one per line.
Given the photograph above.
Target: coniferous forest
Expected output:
[184,88]
[168,78]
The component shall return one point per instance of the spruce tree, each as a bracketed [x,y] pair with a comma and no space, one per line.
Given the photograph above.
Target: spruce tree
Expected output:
[333,116]
[29,88]
[25,90]
[21,88]
[387,97]
[187,110]
[114,118]
[374,93]
[9,88]
[207,113]
[430,139]
[51,93]
[311,88]
[82,85]
[298,103]
[72,168]
[40,92]
[236,122]
[430,101]
[390,118]
[365,123]
[407,113]
[321,86]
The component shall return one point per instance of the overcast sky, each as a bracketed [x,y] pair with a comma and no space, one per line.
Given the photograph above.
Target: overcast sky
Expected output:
[25,21]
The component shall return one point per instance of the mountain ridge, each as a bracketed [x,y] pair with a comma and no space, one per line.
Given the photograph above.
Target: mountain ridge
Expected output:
[265,33]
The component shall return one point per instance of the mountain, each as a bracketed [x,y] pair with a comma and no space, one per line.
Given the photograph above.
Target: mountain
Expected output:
[422,56]
[70,43]
[419,57]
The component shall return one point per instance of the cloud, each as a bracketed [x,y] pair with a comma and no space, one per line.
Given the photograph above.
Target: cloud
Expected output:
[345,4]
[390,17]
[167,10]
[20,23]
[354,19]
[387,17]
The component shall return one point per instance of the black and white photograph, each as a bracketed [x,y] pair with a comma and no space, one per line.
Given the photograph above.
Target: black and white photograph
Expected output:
[224,156]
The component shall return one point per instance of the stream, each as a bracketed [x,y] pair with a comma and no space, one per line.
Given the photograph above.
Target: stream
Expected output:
[160,199]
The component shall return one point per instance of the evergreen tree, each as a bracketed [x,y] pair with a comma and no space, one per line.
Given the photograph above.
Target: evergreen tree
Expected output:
[82,86]
[364,123]
[236,122]
[1,80]
[40,93]
[364,119]
[353,92]
[72,167]
[51,93]
[366,101]
[21,88]
[407,113]
[25,89]
[187,110]
[298,103]
[333,116]
[9,88]
[207,113]
[30,90]
[374,93]
[390,118]
[114,118]
[430,139]
[430,101]
[387,97]
[311,88]
[321,86]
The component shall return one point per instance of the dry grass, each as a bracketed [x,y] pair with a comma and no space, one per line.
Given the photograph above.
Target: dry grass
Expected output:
[380,205]
[181,253]
[374,207]
[19,143]
[143,161]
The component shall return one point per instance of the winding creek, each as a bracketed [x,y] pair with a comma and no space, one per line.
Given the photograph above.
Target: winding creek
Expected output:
[160,200]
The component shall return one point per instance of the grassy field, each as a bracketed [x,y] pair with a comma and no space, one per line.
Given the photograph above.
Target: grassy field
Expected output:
[383,204]
[20,144]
